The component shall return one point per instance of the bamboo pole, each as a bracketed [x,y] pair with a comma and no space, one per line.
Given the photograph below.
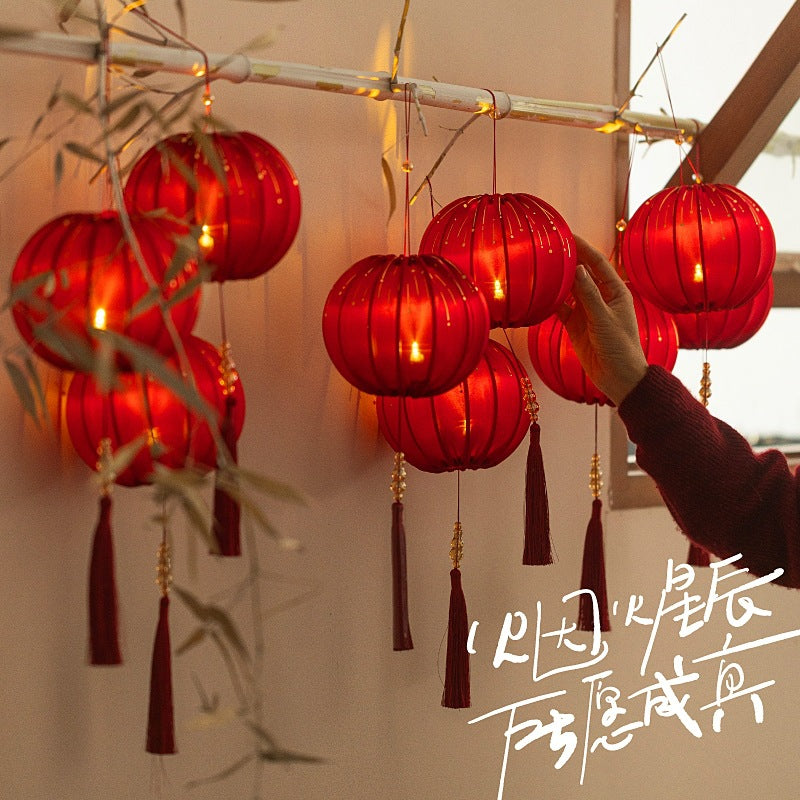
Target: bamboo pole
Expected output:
[375,85]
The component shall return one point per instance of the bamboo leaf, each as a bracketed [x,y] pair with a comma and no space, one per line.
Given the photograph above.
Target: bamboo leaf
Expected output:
[215,615]
[36,383]
[84,152]
[67,10]
[58,167]
[181,11]
[27,287]
[174,161]
[265,737]
[78,103]
[389,178]
[22,388]
[149,299]
[173,483]
[124,455]
[225,773]
[144,73]
[71,347]
[206,145]
[192,640]
[188,288]
[259,43]
[151,363]
[186,249]
[123,99]
[277,489]
[290,757]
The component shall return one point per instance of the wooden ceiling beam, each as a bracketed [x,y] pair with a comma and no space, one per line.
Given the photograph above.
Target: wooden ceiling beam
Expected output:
[728,145]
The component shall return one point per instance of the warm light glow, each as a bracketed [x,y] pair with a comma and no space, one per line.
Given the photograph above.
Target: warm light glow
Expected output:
[100,319]
[499,294]
[416,355]
[698,273]
[206,240]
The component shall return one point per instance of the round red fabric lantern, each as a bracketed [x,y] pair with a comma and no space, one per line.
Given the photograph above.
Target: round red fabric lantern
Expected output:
[237,188]
[78,273]
[720,330]
[517,249]
[703,247]
[142,407]
[475,425]
[556,363]
[405,325]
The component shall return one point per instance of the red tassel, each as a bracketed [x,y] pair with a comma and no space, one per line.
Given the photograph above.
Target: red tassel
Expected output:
[402,631]
[226,508]
[103,628]
[593,575]
[160,719]
[538,548]
[698,556]
[456,676]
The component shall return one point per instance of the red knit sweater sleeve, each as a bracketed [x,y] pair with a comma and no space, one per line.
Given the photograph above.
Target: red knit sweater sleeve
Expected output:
[724,496]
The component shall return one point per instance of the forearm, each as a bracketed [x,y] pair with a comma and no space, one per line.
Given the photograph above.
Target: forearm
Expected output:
[725,497]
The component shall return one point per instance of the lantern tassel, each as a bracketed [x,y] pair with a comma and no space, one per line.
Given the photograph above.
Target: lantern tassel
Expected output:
[538,548]
[698,556]
[593,575]
[401,628]
[160,719]
[456,680]
[227,511]
[103,625]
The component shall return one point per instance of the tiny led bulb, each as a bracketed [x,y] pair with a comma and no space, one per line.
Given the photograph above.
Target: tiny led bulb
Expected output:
[698,273]
[206,240]
[499,294]
[100,319]
[416,355]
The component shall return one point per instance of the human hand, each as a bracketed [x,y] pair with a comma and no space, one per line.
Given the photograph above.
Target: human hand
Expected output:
[602,325]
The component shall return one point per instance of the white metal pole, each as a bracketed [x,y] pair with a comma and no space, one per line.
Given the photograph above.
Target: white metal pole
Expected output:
[376,85]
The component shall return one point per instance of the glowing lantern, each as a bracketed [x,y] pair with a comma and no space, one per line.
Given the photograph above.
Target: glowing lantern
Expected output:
[142,409]
[703,247]
[78,273]
[236,188]
[517,249]
[474,425]
[556,363]
[405,325]
[720,330]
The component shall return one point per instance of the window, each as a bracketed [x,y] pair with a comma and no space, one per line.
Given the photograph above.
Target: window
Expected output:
[754,388]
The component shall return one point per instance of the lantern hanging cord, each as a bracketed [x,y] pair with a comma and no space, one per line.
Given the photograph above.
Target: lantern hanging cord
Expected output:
[407,167]
[493,113]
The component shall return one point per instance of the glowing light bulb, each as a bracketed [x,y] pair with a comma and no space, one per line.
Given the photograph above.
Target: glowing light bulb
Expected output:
[206,240]
[698,273]
[416,356]
[100,319]
[499,294]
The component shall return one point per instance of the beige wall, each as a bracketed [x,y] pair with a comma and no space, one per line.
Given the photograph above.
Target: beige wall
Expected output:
[332,685]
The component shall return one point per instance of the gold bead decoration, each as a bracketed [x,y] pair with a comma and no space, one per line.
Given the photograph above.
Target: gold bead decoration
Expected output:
[227,368]
[164,568]
[531,403]
[595,477]
[621,225]
[457,545]
[398,486]
[705,384]
[105,464]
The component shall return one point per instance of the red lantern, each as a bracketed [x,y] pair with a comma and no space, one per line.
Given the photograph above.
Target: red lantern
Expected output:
[517,249]
[237,188]
[475,425]
[556,363]
[142,408]
[78,273]
[703,247]
[405,325]
[720,330]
